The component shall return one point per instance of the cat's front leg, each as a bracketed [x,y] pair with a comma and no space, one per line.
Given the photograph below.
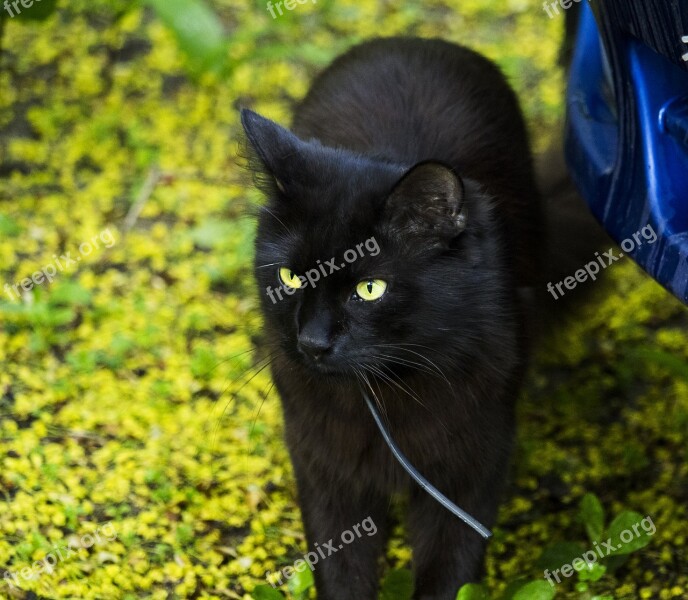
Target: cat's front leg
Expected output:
[447,553]
[346,531]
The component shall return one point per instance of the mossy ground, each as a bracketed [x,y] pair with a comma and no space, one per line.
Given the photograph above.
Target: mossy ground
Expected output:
[129,388]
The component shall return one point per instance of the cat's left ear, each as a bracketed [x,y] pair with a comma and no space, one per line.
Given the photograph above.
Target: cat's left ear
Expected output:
[279,151]
[427,202]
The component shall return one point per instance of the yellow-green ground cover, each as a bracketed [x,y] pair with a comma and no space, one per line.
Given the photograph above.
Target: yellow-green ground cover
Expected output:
[130,391]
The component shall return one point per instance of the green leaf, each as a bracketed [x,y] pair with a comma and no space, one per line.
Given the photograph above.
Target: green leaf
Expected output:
[591,514]
[668,361]
[594,572]
[198,31]
[184,534]
[38,11]
[612,563]
[69,293]
[398,585]
[473,591]
[633,539]
[512,588]
[556,555]
[9,227]
[203,362]
[265,592]
[301,582]
[213,233]
[535,590]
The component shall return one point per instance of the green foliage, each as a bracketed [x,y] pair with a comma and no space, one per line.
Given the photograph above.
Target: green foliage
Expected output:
[516,590]
[266,592]
[594,572]
[198,31]
[626,522]
[38,11]
[557,554]
[592,515]
[609,541]
[397,585]
[535,590]
[301,583]
[672,364]
[473,591]
[9,227]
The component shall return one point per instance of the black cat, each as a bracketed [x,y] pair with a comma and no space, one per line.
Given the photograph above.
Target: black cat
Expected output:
[412,156]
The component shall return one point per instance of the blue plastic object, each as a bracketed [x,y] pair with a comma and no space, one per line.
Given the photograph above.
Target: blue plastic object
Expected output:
[627,146]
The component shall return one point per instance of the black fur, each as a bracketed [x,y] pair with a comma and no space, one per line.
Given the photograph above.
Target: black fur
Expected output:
[421,145]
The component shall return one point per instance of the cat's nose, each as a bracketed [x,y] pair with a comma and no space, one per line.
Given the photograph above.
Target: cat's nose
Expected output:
[313,345]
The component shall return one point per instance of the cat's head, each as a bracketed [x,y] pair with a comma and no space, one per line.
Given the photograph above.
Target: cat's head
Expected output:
[362,262]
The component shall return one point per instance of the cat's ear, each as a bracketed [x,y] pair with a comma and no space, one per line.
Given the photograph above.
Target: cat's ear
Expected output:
[277,149]
[427,202]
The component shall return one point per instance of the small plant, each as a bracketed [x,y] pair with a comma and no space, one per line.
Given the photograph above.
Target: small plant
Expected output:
[608,549]
[517,590]
[299,588]
[397,585]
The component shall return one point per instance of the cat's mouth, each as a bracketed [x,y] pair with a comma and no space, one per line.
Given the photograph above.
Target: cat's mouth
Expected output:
[323,365]
[324,369]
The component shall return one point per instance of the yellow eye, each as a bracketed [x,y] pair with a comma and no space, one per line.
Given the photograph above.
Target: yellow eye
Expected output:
[289,278]
[371,289]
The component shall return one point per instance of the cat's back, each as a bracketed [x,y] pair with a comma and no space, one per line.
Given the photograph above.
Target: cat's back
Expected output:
[412,99]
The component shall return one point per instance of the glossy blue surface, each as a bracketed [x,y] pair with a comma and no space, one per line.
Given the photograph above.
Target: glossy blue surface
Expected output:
[627,148]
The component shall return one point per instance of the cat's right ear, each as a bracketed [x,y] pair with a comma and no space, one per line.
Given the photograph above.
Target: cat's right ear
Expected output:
[428,203]
[272,149]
